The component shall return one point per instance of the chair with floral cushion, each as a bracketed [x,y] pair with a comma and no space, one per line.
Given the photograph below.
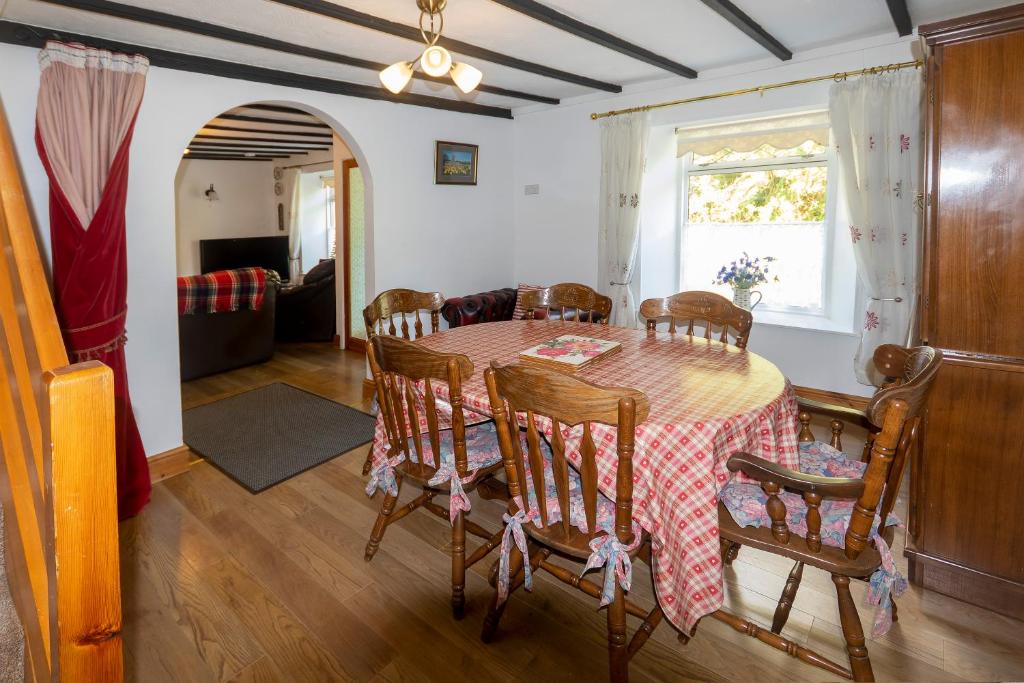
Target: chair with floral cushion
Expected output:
[556,507]
[566,301]
[397,306]
[705,309]
[835,513]
[419,428]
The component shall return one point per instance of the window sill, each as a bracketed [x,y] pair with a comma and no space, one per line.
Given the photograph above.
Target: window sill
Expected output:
[817,323]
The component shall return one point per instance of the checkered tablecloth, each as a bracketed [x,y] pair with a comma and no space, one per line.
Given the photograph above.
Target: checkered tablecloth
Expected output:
[708,400]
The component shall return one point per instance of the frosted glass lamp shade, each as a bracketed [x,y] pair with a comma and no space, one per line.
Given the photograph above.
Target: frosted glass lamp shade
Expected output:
[466,77]
[436,61]
[396,76]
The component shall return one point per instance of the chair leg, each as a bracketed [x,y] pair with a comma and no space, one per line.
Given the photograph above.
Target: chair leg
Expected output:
[788,595]
[381,525]
[368,463]
[494,612]
[618,654]
[729,551]
[459,566]
[895,614]
[860,664]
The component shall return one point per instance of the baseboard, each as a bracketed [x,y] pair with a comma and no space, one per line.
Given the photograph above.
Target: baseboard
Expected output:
[171,463]
[963,583]
[833,397]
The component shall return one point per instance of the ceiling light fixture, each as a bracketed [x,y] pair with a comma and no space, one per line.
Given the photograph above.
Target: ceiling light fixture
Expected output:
[435,60]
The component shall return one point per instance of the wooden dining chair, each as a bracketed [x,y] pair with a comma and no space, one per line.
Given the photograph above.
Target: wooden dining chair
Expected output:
[468,455]
[567,301]
[393,306]
[834,513]
[698,309]
[543,485]
[396,305]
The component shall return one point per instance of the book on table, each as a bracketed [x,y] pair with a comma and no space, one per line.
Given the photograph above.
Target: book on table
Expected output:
[570,352]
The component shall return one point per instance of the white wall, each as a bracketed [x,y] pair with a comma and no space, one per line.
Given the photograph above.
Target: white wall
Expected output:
[463,232]
[246,205]
[559,149]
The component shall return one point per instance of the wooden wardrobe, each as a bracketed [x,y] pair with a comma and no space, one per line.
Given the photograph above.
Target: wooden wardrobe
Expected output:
[966,527]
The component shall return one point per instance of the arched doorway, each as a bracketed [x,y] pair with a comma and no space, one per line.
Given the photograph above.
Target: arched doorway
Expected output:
[277,186]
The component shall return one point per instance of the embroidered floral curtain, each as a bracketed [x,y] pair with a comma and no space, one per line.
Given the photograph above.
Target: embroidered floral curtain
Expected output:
[623,152]
[876,121]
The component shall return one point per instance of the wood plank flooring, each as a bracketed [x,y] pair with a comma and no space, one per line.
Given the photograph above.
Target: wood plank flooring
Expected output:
[222,585]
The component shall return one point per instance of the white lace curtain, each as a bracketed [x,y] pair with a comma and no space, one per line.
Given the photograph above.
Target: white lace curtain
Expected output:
[291,184]
[623,152]
[876,121]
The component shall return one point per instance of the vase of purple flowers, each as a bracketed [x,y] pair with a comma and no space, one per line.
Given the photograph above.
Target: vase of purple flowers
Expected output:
[743,275]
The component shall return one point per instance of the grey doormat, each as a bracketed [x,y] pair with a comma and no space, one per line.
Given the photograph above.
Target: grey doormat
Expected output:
[267,435]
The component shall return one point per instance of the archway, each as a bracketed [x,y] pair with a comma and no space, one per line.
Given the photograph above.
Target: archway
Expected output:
[266,181]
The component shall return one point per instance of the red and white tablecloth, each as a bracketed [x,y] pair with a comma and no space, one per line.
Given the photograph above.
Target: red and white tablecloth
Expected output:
[707,401]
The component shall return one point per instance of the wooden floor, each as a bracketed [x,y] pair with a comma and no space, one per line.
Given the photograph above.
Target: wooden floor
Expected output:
[222,585]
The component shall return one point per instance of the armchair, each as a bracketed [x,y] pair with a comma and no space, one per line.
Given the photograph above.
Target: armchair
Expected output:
[834,513]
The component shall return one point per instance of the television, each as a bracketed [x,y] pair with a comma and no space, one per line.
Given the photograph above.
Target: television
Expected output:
[245,252]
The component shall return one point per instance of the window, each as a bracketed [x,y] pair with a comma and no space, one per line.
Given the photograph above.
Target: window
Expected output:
[760,187]
[329,223]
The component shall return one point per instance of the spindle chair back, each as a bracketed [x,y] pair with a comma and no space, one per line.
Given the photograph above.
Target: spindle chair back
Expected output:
[699,309]
[570,301]
[398,306]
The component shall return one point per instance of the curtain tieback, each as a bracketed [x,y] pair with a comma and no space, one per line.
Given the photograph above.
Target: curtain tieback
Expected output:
[621,284]
[88,342]
[897,299]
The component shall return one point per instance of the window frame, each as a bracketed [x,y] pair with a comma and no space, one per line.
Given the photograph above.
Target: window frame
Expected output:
[792,315]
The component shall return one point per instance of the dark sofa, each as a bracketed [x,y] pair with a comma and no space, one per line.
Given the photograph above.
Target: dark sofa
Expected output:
[485,307]
[209,343]
[308,312]
[498,304]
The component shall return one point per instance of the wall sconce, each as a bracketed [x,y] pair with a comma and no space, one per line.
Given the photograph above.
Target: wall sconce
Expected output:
[211,194]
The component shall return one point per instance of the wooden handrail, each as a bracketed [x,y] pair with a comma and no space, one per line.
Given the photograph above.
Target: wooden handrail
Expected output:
[58,477]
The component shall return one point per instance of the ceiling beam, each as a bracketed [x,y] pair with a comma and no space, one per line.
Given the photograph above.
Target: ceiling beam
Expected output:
[245,138]
[900,16]
[552,17]
[267,119]
[245,150]
[198,157]
[252,145]
[741,20]
[268,131]
[172,21]
[351,16]
[275,107]
[36,36]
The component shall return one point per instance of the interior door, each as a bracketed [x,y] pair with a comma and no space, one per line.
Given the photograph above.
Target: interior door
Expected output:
[354,255]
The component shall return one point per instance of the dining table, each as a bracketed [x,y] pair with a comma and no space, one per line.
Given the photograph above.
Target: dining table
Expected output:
[708,400]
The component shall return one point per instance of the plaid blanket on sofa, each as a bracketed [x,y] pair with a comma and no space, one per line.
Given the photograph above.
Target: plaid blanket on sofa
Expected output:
[221,291]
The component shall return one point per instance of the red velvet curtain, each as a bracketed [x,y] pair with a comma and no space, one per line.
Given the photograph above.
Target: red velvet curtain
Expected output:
[88,101]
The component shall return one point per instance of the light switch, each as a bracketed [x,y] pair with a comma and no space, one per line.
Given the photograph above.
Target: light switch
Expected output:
[532,189]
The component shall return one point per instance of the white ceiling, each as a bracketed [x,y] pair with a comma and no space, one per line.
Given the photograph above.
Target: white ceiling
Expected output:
[685,31]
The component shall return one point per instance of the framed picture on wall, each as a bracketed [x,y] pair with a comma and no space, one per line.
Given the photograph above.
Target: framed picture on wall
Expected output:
[455,163]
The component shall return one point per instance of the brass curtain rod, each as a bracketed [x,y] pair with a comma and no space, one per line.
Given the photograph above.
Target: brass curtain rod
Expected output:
[841,76]
[312,163]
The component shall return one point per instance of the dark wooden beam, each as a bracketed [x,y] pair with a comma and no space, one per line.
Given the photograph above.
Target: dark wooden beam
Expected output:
[901,16]
[275,107]
[741,20]
[297,133]
[553,17]
[267,119]
[172,21]
[254,147]
[351,16]
[36,36]
[245,138]
[202,157]
[246,150]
